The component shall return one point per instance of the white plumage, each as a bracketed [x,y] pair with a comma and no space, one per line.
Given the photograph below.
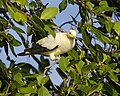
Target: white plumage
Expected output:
[53,47]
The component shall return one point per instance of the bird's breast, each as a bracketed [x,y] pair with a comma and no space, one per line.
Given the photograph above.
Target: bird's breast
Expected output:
[67,45]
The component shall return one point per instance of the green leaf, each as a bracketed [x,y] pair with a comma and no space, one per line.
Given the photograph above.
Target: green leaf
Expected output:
[84,88]
[104,57]
[1,43]
[113,77]
[3,23]
[18,78]
[10,10]
[82,54]
[44,80]
[39,79]
[17,16]
[108,25]
[63,63]
[27,90]
[32,76]
[20,94]
[49,13]
[110,89]
[106,39]
[117,27]
[63,5]
[49,30]
[1,3]
[95,88]
[12,49]
[103,3]
[38,21]
[71,2]
[17,29]
[9,37]
[92,82]
[0,83]
[89,4]
[73,54]
[75,93]
[16,43]
[13,41]
[86,37]
[43,91]
[100,35]
[79,66]
[20,17]
[89,67]
[117,70]
[61,73]
[103,6]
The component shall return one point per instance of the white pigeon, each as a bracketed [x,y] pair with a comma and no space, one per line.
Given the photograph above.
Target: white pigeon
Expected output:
[54,46]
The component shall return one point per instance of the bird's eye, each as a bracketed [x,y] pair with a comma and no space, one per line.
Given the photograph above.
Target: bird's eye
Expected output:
[70,32]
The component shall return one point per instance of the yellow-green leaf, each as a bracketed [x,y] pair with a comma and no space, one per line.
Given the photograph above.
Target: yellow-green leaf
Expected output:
[44,80]
[20,17]
[79,66]
[43,91]
[18,78]
[108,25]
[89,4]
[27,90]
[17,16]
[103,3]
[117,27]
[113,77]
[39,79]
[63,63]
[49,13]
[10,10]
[1,3]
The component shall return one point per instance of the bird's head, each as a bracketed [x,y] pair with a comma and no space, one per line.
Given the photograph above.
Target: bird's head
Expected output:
[71,34]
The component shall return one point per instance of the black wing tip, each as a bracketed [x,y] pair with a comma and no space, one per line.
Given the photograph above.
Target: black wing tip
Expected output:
[26,52]
[21,54]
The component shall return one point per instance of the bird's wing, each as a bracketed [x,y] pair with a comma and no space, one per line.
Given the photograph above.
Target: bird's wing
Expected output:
[49,42]
[45,44]
[38,49]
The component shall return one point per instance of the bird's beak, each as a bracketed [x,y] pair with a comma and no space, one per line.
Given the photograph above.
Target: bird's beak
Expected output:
[74,36]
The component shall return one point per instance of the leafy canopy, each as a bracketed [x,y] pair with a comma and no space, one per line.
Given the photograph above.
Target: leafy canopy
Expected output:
[92,68]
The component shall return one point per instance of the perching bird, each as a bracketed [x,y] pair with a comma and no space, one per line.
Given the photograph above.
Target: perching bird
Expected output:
[53,46]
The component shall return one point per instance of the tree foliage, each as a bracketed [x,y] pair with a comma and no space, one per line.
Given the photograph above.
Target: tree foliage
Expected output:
[92,68]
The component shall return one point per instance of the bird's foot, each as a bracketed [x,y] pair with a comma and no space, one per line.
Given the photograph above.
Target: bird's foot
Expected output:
[48,67]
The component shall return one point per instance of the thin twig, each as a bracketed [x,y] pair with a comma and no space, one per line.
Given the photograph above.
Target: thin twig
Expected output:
[58,28]
[70,22]
[65,23]
[6,93]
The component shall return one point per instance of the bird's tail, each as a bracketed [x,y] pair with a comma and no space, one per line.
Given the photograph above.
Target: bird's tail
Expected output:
[36,49]
[27,51]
